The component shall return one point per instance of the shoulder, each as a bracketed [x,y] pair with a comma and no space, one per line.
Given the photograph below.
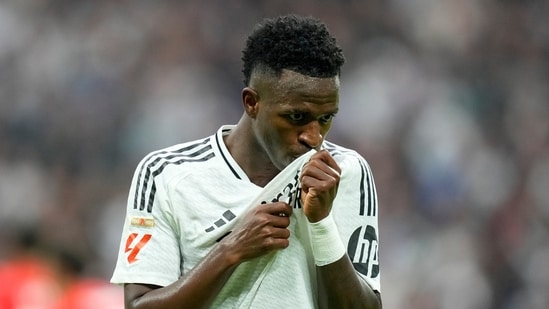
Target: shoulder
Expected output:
[343,155]
[159,161]
[353,165]
[193,149]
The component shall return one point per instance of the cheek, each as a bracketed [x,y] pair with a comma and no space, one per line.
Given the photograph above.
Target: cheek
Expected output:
[267,134]
[324,131]
[278,140]
[273,137]
[280,133]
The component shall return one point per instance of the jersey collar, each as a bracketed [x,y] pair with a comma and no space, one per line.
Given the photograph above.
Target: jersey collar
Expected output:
[226,155]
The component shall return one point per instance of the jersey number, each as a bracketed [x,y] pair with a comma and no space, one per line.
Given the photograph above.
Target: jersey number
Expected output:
[134,249]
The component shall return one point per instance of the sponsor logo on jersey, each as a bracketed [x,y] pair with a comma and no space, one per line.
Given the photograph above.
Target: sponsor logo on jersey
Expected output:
[363,251]
[147,222]
[227,216]
[134,243]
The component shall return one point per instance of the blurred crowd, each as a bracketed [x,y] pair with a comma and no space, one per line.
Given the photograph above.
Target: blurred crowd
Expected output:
[448,100]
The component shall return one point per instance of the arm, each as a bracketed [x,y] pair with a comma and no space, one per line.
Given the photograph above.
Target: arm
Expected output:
[194,290]
[261,231]
[339,286]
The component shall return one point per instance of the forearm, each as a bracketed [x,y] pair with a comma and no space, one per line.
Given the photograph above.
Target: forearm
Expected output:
[260,231]
[339,284]
[340,287]
[197,289]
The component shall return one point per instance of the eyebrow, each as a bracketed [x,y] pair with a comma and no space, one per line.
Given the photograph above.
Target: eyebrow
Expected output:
[307,111]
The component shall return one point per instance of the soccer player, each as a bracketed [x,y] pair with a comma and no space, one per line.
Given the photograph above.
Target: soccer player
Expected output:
[265,213]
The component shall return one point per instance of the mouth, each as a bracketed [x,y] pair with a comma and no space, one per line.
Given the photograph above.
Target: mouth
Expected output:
[291,158]
[295,156]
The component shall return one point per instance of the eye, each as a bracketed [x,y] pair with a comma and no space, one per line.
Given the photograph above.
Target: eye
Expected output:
[326,118]
[296,117]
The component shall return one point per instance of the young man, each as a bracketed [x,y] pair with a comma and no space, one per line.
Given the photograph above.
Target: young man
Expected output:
[266,213]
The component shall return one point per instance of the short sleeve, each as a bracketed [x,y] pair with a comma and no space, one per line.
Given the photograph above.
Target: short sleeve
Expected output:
[149,247]
[355,211]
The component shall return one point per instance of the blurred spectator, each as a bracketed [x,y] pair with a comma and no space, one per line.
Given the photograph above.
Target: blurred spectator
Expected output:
[448,101]
[42,275]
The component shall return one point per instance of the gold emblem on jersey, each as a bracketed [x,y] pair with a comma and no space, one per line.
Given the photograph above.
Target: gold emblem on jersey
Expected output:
[142,222]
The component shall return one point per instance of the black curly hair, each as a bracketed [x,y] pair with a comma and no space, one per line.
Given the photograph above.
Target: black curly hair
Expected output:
[298,43]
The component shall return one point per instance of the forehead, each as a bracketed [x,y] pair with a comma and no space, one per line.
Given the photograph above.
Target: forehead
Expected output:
[291,83]
[292,90]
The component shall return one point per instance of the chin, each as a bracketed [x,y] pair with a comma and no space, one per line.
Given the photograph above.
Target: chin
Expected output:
[283,162]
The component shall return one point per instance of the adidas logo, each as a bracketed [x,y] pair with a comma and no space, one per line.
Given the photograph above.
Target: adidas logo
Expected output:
[227,217]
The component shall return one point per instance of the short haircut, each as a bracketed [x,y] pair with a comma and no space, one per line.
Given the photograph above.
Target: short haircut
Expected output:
[297,43]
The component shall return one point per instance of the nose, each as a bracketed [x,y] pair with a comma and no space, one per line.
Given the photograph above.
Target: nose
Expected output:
[311,135]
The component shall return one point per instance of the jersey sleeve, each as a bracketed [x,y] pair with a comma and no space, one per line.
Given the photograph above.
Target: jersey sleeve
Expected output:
[355,211]
[149,247]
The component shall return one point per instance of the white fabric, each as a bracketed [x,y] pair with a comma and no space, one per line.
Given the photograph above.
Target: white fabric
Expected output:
[325,241]
[187,196]
[272,278]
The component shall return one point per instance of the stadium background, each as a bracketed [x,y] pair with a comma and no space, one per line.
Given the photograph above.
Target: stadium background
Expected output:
[448,100]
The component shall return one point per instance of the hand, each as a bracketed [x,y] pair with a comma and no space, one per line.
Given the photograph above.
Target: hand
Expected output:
[319,182]
[261,230]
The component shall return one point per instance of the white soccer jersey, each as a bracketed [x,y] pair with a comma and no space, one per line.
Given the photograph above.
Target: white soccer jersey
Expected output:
[185,198]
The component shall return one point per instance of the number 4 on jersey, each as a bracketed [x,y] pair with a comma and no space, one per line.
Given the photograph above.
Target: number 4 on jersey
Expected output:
[134,249]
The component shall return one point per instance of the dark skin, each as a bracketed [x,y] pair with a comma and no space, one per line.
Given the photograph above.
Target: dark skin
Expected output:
[284,117]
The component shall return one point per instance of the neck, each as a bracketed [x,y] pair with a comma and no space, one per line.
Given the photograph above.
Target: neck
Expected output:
[249,155]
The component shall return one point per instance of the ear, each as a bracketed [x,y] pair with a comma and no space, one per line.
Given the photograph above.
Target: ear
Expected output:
[250,100]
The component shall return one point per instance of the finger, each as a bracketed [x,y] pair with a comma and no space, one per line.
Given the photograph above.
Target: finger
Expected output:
[313,182]
[280,209]
[276,243]
[319,175]
[310,184]
[279,221]
[322,166]
[321,171]
[280,233]
[324,156]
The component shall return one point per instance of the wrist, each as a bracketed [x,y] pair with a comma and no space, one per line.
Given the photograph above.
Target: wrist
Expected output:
[230,257]
[325,241]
